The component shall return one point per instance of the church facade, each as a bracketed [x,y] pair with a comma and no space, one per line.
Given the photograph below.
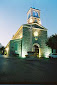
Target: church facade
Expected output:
[30,39]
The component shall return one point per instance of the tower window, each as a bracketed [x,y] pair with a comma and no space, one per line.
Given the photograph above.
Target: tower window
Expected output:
[35,14]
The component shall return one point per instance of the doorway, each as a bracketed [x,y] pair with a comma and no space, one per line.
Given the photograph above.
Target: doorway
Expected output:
[36,49]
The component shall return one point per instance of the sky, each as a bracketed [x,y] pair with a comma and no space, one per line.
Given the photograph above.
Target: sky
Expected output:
[13,13]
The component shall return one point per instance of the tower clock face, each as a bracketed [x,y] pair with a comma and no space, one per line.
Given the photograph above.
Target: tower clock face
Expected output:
[35,14]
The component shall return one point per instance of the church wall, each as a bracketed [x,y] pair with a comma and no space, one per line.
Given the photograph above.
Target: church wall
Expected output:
[15,47]
[41,40]
[29,39]
[26,41]
[22,46]
[45,50]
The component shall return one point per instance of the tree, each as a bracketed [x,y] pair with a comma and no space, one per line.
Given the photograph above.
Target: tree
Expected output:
[2,49]
[52,42]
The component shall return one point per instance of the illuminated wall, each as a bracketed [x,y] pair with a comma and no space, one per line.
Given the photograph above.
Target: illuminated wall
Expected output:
[41,40]
[29,40]
[31,34]
[15,47]
[7,49]
[26,41]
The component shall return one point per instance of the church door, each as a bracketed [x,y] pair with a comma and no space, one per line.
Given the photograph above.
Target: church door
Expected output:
[36,49]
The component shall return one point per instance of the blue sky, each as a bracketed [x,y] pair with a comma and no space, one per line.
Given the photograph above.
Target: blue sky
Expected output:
[13,13]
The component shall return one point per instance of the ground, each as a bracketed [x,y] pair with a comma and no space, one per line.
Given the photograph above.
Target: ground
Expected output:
[15,70]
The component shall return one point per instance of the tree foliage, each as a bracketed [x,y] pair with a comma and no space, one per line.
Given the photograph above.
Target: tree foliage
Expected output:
[52,41]
[2,50]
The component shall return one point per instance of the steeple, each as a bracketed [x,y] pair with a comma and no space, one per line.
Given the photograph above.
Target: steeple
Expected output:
[33,16]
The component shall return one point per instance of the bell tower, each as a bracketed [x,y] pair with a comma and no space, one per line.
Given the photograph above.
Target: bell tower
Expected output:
[33,16]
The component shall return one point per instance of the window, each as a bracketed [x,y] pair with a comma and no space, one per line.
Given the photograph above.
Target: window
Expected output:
[35,14]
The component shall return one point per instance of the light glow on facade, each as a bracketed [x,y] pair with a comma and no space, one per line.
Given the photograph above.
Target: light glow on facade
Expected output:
[35,33]
[23,53]
[20,36]
[31,20]
[47,54]
[7,49]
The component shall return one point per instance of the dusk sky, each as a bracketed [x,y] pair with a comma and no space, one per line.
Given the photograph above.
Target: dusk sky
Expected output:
[13,13]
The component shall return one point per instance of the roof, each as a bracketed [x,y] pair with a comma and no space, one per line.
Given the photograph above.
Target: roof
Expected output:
[34,25]
[32,9]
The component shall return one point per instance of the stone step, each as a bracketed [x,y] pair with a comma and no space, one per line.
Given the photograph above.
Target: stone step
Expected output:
[32,54]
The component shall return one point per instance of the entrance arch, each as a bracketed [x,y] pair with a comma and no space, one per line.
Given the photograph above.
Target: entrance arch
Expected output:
[36,48]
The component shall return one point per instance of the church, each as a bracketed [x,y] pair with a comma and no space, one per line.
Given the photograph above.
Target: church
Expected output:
[30,39]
